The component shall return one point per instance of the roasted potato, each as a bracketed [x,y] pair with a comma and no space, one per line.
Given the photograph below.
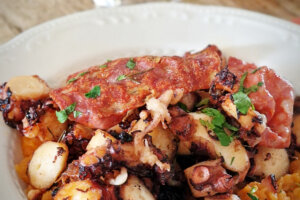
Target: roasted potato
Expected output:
[83,190]
[135,189]
[271,161]
[28,87]
[47,163]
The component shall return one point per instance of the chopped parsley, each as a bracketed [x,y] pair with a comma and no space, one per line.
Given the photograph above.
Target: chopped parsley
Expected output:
[130,64]
[76,113]
[103,66]
[218,118]
[254,71]
[203,102]
[241,99]
[252,191]
[253,88]
[75,78]
[224,139]
[62,115]
[121,77]
[217,125]
[183,106]
[207,124]
[82,74]
[242,102]
[230,127]
[232,160]
[252,196]
[72,80]
[94,93]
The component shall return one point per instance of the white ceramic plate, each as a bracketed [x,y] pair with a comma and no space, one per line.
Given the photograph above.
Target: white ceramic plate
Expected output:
[57,48]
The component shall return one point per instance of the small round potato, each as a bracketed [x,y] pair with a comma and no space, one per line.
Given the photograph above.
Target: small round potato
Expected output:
[47,163]
[83,190]
[271,161]
[28,87]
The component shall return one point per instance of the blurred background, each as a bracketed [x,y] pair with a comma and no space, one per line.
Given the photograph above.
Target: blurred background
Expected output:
[18,15]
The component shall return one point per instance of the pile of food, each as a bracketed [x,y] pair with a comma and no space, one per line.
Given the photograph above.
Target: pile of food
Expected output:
[168,128]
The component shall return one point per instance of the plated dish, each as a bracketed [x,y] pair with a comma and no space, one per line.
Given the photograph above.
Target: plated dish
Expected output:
[152,127]
[57,48]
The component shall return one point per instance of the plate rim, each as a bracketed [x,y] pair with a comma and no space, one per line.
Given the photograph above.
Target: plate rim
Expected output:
[237,12]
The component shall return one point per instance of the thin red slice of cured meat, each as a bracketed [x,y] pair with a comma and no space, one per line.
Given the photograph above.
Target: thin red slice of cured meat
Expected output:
[275,99]
[262,99]
[151,76]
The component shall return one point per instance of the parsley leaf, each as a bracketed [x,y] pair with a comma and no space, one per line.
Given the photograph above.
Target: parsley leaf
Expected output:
[241,89]
[76,113]
[253,88]
[75,78]
[203,102]
[62,115]
[72,80]
[254,71]
[253,190]
[70,108]
[183,106]
[207,124]
[230,127]
[218,118]
[121,77]
[130,64]
[252,196]
[103,66]
[94,93]
[232,159]
[82,74]
[224,139]
[242,102]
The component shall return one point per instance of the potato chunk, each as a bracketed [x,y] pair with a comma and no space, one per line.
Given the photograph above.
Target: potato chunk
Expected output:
[135,189]
[28,87]
[47,162]
[271,161]
[83,190]
[100,139]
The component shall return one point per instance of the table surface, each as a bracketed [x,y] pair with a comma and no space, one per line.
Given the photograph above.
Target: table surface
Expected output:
[17,16]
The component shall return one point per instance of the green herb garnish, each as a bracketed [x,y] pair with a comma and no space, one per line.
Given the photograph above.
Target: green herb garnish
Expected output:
[232,159]
[75,78]
[62,115]
[252,191]
[130,64]
[254,71]
[218,118]
[252,196]
[82,74]
[230,127]
[183,106]
[224,139]
[242,102]
[103,66]
[217,125]
[241,99]
[94,93]
[253,88]
[121,77]
[203,102]
[207,124]
[76,113]
[72,80]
